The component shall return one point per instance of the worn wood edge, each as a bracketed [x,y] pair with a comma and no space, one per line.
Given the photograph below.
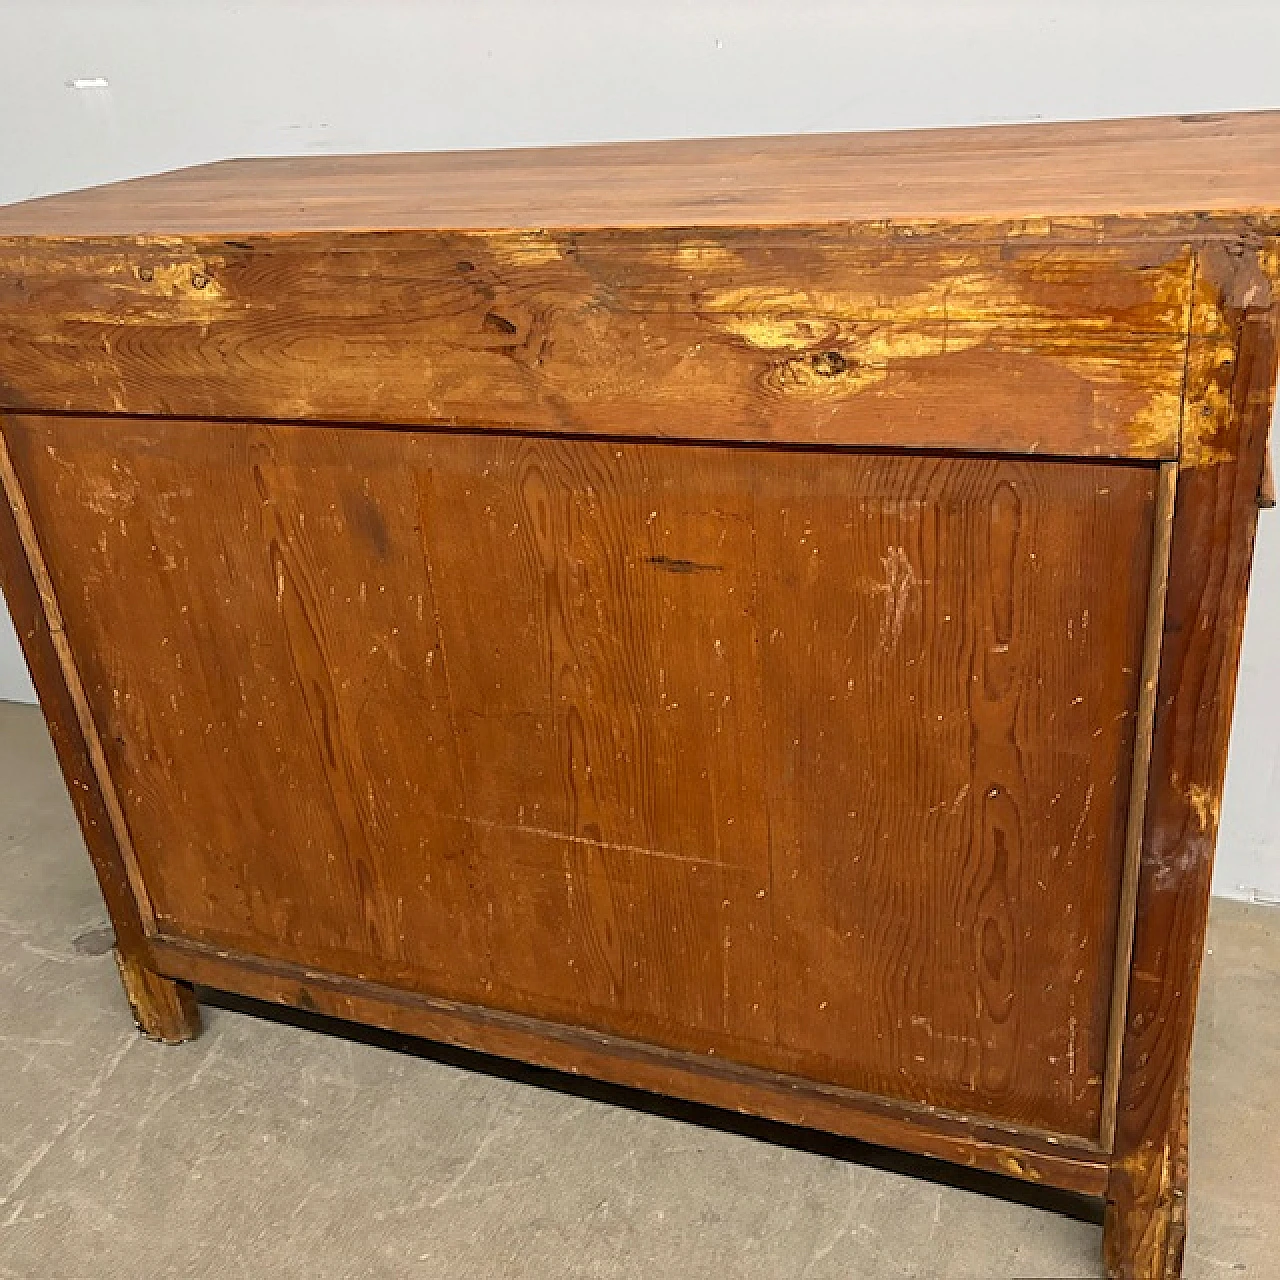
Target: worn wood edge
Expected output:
[71,677]
[1070,230]
[1066,1163]
[1139,779]
[1159,1252]
[947,245]
[827,361]
[1178,1180]
[1147,442]
[1267,487]
[1232,384]
[164,1009]
[1159,452]
[32,626]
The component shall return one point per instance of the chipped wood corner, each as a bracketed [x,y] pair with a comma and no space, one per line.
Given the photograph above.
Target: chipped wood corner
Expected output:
[1145,1236]
[164,1009]
[1237,282]
[1270,261]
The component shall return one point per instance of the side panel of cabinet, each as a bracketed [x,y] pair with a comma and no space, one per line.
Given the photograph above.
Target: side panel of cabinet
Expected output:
[813,761]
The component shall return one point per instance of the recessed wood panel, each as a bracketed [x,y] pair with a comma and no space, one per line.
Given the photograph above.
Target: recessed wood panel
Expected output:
[813,761]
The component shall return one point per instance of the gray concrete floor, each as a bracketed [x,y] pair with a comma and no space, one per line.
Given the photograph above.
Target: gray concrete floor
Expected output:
[266,1149]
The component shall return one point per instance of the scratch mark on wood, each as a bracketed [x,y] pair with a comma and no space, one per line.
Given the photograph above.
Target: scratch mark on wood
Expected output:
[901,591]
[676,565]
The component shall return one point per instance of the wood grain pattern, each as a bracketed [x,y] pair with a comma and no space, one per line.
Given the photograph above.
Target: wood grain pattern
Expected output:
[697,1077]
[163,1008]
[71,682]
[1227,162]
[682,612]
[63,714]
[778,757]
[1229,405]
[1139,780]
[944,732]
[832,336]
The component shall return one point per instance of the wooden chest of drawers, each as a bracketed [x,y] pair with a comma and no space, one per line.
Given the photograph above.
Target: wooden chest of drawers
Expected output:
[755,620]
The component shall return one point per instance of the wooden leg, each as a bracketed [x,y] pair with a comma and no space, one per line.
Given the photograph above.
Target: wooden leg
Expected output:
[163,1008]
[1227,400]
[1146,1220]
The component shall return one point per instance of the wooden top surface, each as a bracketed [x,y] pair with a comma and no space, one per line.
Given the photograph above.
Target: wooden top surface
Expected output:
[1225,164]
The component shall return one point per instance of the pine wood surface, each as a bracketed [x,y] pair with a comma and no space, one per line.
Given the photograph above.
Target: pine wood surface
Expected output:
[1227,163]
[670,773]
[754,619]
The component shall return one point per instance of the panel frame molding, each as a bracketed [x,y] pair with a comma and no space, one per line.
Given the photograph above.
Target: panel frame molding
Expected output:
[1063,1160]
[1067,1163]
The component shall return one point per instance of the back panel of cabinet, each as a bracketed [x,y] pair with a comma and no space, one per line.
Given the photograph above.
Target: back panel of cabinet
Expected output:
[812,760]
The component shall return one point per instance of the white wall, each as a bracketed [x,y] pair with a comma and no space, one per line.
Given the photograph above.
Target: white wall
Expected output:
[194,80]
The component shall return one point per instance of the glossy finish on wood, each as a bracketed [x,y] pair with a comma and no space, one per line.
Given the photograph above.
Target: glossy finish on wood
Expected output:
[755,619]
